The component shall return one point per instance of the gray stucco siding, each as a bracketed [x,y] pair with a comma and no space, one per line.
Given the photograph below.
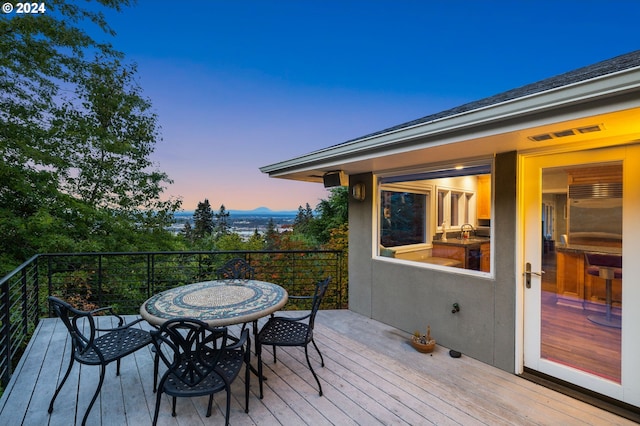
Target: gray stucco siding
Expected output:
[411,297]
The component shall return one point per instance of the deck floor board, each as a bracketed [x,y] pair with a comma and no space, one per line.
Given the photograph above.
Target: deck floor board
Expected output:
[371,376]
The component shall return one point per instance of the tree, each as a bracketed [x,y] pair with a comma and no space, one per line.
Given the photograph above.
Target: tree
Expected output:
[38,54]
[222,224]
[75,138]
[303,218]
[187,232]
[271,236]
[202,220]
[330,214]
[108,133]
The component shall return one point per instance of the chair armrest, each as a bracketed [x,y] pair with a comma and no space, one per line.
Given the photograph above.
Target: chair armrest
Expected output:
[106,308]
[239,341]
[120,326]
[110,310]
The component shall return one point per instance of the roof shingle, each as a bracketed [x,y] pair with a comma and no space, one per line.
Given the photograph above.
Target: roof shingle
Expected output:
[609,66]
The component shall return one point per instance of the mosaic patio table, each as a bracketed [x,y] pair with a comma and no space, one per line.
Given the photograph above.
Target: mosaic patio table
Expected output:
[218,303]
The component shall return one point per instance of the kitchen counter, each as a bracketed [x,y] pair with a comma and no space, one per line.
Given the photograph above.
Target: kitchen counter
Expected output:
[582,248]
[579,289]
[473,253]
[462,243]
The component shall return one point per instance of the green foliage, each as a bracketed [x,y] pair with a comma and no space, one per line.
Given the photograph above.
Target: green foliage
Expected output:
[330,214]
[230,241]
[222,226]
[303,219]
[202,221]
[75,140]
[271,236]
[76,136]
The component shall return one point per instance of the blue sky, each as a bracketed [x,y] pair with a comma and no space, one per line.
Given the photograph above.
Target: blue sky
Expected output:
[241,84]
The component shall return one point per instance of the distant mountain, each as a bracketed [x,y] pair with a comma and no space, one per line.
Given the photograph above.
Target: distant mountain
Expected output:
[260,211]
[263,211]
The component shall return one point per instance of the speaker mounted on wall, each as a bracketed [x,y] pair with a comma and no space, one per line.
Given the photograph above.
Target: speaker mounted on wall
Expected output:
[332,179]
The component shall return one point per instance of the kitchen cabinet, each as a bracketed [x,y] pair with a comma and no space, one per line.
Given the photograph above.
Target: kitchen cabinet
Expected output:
[578,289]
[483,202]
[570,278]
[485,257]
[449,251]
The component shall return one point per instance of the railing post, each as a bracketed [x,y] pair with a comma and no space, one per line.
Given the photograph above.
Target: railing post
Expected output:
[293,268]
[100,299]
[339,276]
[5,331]
[25,305]
[150,259]
[49,281]
[36,289]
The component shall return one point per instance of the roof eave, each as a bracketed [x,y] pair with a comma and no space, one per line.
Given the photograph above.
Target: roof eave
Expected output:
[554,99]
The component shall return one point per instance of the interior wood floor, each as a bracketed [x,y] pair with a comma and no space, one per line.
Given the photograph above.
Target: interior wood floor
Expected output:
[569,338]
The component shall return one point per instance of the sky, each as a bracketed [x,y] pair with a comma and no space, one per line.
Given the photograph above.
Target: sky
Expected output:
[241,84]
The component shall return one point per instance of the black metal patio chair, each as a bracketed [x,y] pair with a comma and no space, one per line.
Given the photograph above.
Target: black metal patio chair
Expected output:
[292,331]
[236,268]
[91,345]
[200,361]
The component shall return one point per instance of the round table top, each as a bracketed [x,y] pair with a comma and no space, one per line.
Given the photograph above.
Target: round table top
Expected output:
[218,303]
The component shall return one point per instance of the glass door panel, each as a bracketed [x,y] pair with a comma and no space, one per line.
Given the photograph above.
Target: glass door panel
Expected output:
[580,316]
[580,310]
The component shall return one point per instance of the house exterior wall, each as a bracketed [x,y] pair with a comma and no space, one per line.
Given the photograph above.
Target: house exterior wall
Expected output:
[360,247]
[411,297]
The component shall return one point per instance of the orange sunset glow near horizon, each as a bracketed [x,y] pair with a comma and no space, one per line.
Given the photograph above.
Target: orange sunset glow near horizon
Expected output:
[238,85]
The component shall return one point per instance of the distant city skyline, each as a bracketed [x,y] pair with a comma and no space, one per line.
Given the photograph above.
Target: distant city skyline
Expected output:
[238,85]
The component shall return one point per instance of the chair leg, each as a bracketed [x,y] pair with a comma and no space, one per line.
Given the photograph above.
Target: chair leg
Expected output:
[173,407]
[306,354]
[274,354]
[156,368]
[226,416]
[259,355]
[318,350]
[95,395]
[155,415]
[66,376]
[210,405]
[247,379]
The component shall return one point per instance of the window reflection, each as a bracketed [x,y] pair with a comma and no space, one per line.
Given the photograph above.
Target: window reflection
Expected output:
[404,218]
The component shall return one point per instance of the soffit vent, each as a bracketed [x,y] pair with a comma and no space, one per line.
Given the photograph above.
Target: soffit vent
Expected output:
[564,133]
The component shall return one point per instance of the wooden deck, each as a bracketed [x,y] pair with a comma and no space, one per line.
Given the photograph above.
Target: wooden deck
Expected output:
[372,376]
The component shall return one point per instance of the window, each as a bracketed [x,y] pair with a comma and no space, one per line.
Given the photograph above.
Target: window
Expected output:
[403,218]
[420,213]
[456,207]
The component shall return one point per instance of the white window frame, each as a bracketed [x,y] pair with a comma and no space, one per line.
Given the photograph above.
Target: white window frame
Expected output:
[431,182]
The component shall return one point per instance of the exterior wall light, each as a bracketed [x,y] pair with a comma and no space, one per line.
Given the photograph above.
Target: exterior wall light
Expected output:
[358,191]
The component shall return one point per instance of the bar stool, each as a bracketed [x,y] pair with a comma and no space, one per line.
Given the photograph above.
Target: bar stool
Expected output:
[606,266]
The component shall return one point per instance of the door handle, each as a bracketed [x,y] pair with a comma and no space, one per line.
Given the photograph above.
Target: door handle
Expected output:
[528,273]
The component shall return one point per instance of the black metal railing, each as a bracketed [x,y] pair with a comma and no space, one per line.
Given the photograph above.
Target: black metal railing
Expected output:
[126,280]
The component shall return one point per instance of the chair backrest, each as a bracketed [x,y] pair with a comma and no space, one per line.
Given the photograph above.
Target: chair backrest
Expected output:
[321,289]
[80,325]
[604,259]
[189,348]
[236,269]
